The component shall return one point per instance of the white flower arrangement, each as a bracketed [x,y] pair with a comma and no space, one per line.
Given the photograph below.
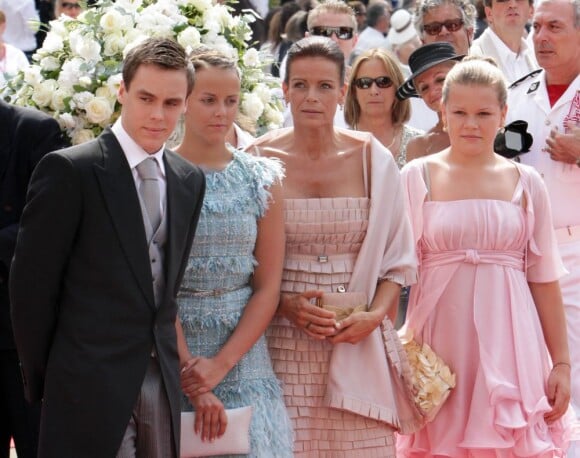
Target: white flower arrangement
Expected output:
[76,74]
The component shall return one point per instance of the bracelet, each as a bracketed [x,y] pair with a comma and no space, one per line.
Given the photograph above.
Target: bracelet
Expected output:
[561,363]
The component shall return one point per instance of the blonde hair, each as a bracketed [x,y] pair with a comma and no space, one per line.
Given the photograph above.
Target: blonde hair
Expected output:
[401,109]
[478,71]
[331,7]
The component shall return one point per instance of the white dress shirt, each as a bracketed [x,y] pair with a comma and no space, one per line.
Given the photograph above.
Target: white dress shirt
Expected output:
[135,155]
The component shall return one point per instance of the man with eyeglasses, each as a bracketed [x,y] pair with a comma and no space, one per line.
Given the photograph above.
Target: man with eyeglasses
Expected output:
[452,21]
[504,37]
[375,34]
[335,20]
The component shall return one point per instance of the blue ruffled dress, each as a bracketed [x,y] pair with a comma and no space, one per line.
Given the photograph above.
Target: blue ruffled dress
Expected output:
[216,288]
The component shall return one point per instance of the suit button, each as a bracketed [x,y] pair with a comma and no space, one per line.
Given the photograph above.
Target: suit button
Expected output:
[548,122]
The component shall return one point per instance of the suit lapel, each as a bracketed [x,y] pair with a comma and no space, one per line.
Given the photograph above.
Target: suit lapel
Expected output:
[118,189]
[182,196]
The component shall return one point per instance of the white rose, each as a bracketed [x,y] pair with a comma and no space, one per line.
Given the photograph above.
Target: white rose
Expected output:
[114,44]
[112,21]
[85,46]
[189,38]
[58,98]
[49,63]
[82,136]
[81,99]
[129,5]
[201,5]
[85,81]
[114,82]
[32,75]
[53,43]
[70,72]
[252,106]
[67,121]
[42,95]
[220,14]
[274,118]
[263,91]
[98,110]
[251,58]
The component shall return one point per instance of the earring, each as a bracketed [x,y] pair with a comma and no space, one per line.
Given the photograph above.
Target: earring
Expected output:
[444,128]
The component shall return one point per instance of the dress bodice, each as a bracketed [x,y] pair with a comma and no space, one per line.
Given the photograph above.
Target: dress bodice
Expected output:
[222,255]
[323,238]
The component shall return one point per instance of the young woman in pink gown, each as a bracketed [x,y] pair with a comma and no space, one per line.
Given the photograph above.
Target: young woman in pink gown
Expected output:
[488,299]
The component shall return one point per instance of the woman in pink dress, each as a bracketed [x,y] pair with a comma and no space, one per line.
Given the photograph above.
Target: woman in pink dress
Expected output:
[346,229]
[488,300]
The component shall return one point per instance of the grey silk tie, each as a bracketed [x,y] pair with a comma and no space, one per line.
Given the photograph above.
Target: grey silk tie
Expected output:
[148,171]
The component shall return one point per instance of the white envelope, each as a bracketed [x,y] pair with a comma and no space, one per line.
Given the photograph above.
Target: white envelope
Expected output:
[236,439]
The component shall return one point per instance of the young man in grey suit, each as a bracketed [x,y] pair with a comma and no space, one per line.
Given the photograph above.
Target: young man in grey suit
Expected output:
[100,254]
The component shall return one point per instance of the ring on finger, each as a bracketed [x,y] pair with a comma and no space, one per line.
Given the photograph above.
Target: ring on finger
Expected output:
[308,325]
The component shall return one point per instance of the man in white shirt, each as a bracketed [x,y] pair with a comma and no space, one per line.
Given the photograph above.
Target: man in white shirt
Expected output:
[22,21]
[375,33]
[504,38]
[549,100]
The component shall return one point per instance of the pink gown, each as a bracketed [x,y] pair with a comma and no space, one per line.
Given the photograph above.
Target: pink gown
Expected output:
[474,307]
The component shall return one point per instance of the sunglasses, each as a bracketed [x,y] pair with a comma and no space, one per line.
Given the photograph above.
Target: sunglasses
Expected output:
[452,25]
[70,6]
[365,82]
[342,33]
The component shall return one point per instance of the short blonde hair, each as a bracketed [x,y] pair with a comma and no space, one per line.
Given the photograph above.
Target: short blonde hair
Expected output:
[478,71]
[401,109]
[331,7]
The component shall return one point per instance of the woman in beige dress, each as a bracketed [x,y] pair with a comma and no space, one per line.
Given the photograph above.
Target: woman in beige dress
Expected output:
[346,230]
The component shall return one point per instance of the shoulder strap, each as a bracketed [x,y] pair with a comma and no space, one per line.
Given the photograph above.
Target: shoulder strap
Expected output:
[426,179]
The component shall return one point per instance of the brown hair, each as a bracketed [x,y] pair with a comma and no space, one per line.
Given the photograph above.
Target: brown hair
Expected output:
[315,46]
[161,52]
[401,109]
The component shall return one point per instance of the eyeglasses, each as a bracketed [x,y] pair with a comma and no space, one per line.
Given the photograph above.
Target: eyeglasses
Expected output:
[70,6]
[342,33]
[452,25]
[365,82]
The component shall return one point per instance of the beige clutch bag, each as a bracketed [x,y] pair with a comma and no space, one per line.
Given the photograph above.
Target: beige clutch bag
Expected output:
[343,303]
[235,441]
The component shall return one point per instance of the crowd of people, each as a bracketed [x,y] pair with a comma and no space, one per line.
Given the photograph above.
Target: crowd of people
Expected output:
[138,282]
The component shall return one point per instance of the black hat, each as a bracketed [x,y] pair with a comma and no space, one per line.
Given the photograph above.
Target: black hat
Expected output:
[421,60]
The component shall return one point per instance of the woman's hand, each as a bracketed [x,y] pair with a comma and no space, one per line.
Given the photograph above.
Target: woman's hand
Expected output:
[355,327]
[558,392]
[314,321]
[200,375]
[210,416]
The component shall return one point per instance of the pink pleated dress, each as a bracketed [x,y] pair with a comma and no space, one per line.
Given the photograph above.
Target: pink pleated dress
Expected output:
[323,238]
[474,307]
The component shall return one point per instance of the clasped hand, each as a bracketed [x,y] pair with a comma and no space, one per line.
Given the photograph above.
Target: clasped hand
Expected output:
[321,324]
[198,377]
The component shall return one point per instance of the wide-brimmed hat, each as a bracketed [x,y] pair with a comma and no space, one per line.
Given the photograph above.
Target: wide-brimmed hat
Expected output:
[421,60]
[402,28]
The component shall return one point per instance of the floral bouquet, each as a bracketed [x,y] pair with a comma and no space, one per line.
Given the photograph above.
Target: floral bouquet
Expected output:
[75,75]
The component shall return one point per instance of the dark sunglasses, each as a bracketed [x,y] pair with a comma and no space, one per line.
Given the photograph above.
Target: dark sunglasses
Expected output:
[365,82]
[452,25]
[342,33]
[70,6]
